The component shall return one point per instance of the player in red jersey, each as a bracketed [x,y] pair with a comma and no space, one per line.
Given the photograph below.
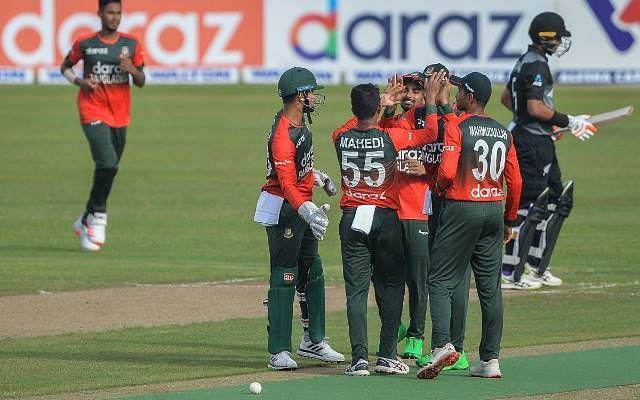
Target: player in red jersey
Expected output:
[370,232]
[110,59]
[479,156]
[294,224]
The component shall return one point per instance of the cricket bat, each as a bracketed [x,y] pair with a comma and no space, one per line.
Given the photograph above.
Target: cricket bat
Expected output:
[607,117]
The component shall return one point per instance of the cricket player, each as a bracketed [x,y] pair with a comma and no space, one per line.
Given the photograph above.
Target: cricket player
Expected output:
[415,204]
[411,194]
[294,224]
[529,95]
[478,157]
[111,59]
[370,232]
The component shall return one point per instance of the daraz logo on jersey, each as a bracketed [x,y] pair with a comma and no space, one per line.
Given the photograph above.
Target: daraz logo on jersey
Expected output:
[611,17]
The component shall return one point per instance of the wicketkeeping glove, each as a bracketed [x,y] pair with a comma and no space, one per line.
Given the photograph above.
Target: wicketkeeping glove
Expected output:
[323,180]
[316,218]
[581,127]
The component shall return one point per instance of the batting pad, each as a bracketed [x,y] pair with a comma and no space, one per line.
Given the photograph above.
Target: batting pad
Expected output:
[280,308]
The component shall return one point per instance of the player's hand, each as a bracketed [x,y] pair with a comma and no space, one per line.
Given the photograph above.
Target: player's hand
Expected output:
[126,64]
[323,180]
[432,86]
[87,85]
[414,167]
[581,127]
[316,217]
[509,234]
[445,92]
[393,92]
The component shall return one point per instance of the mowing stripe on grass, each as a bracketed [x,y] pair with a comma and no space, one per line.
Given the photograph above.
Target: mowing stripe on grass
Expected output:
[550,373]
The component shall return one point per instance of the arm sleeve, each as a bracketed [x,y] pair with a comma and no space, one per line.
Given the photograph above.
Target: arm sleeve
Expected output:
[535,77]
[75,54]
[138,56]
[450,155]
[403,138]
[514,187]
[284,153]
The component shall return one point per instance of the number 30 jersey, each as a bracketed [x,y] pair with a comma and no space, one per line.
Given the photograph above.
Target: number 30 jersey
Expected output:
[368,162]
[479,155]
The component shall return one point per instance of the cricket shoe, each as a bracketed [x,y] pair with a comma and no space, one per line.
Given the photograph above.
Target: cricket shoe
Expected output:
[486,369]
[82,231]
[359,368]
[523,284]
[97,228]
[440,357]
[461,364]
[391,366]
[282,361]
[546,278]
[320,351]
[412,348]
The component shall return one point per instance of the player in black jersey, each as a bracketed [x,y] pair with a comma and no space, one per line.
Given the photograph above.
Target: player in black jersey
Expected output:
[529,95]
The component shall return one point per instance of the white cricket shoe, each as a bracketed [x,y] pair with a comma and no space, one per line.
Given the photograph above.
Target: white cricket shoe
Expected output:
[359,368]
[523,284]
[391,366]
[486,369]
[546,278]
[97,227]
[82,231]
[441,357]
[320,351]
[282,361]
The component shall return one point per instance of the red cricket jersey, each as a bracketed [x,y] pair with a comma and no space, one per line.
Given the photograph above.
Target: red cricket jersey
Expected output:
[368,161]
[478,157]
[289,161]
[110,101]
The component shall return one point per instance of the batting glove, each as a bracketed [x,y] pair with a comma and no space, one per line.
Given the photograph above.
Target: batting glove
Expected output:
[323,180]
[316,217]
[581,127]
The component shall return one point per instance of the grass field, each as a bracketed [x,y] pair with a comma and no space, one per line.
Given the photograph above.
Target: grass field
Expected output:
[181,211]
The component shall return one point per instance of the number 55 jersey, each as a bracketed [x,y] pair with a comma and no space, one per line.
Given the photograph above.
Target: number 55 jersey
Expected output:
[368,160]
[478,156]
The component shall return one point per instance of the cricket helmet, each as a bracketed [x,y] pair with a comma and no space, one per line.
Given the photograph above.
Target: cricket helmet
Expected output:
[547,29]
[296,80]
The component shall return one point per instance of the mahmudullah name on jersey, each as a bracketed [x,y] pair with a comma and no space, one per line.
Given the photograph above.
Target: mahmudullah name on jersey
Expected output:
[488,131]
[365,143]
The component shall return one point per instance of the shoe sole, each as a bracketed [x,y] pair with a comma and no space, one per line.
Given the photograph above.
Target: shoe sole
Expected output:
[273,367]
[494,376]
[389,371]
[357,373]
[308,354]
[431,372]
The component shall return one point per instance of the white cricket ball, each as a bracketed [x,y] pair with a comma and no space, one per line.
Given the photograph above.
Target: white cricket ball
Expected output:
[255,388]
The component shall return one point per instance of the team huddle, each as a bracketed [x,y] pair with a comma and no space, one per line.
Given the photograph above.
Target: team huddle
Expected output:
[430,193]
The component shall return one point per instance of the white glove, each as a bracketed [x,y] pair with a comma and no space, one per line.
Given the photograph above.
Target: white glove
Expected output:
[323,180]
[315,217]
[581,127]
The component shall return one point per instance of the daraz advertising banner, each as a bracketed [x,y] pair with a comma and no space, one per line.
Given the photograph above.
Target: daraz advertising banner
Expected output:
[342,41]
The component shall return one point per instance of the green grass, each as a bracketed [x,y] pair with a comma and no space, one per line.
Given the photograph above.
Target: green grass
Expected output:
[181,211]
[182,206]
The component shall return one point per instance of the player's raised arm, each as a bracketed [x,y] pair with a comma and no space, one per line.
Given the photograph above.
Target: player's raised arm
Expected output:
[451,153]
